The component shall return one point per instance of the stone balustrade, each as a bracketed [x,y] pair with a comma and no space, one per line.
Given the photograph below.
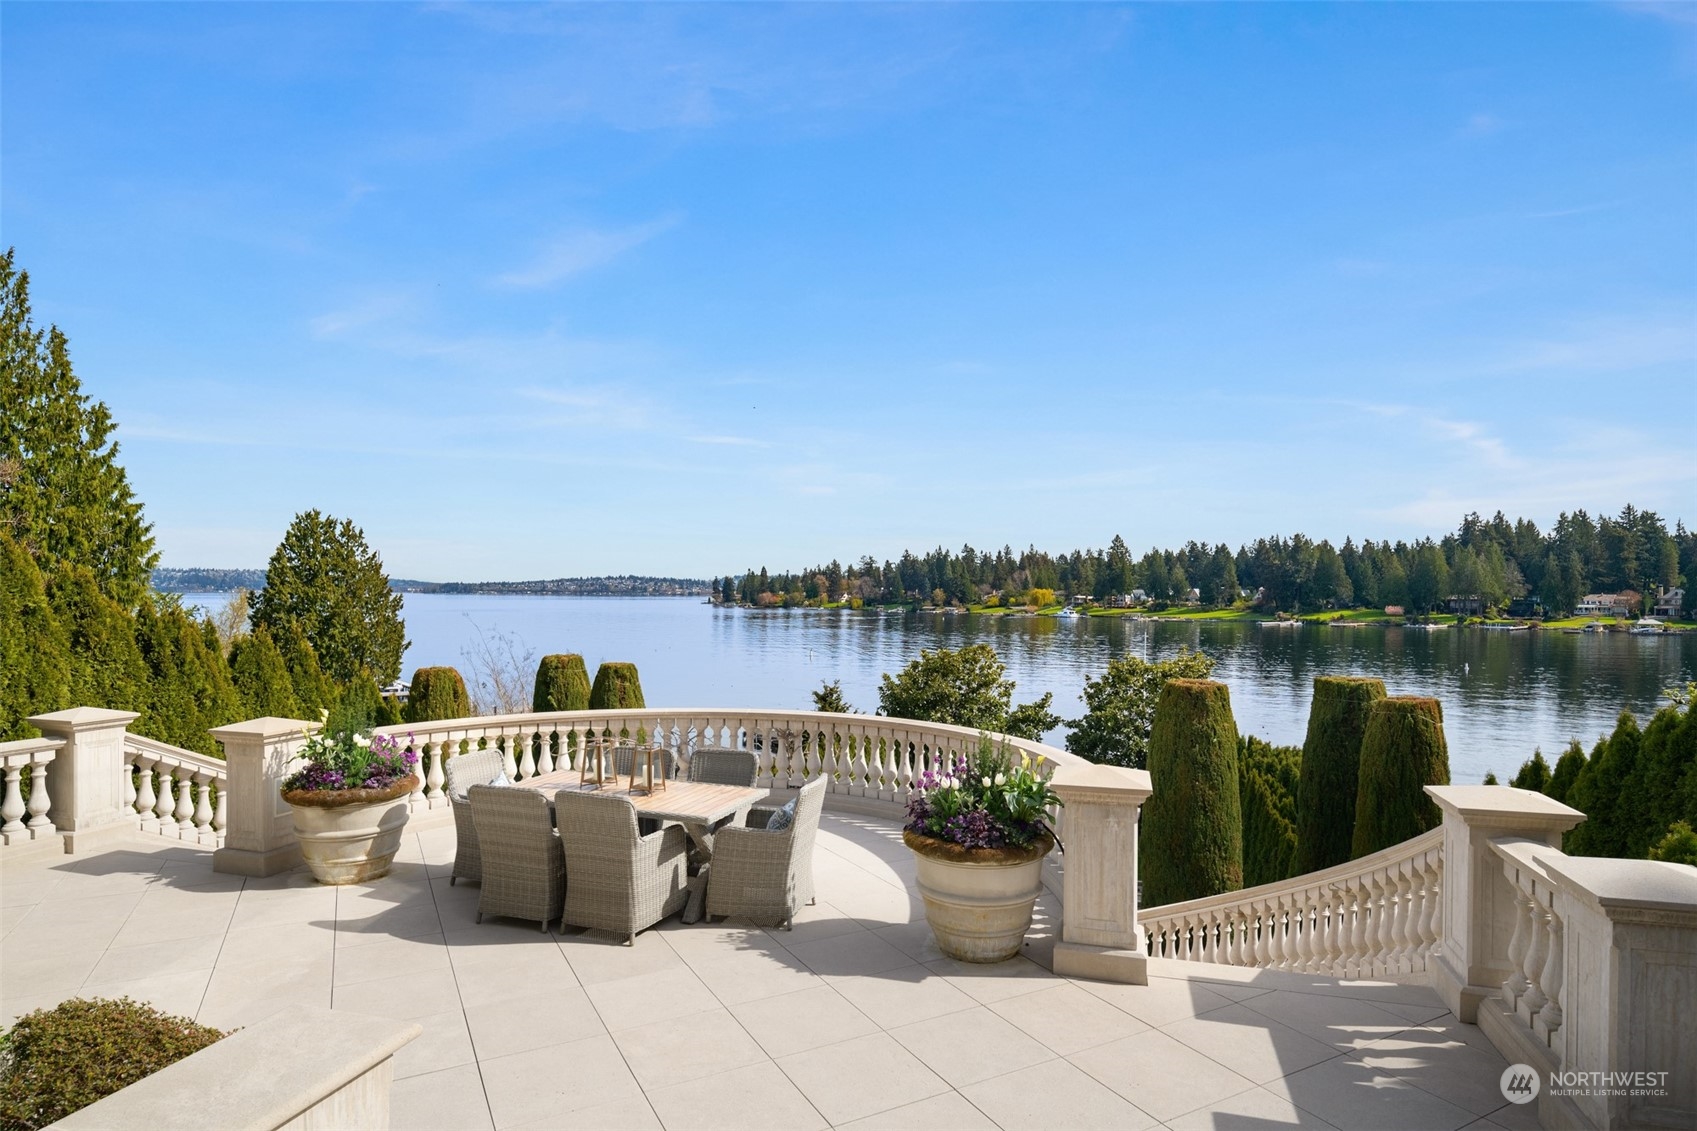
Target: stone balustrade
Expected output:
[26,762]
[175,792]
[1376,917]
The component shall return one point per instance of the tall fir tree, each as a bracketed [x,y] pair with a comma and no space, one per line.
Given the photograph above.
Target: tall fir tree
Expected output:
[190,690]
[35,661]
[1331,765]
[262,678]
[107,668]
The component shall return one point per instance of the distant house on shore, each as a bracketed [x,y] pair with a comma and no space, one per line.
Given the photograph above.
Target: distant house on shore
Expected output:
[1525,607]
[1466,606]
[1604,605]
[1669,602]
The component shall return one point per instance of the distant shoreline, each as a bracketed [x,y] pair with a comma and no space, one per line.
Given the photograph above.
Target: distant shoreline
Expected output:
[623,585]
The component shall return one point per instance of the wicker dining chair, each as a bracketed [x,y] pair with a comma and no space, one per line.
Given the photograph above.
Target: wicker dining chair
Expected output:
[480,767]
[524,868]
[724,767]
[622,881]
[765,875]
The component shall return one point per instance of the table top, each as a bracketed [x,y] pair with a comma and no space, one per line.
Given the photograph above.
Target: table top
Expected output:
[691,801]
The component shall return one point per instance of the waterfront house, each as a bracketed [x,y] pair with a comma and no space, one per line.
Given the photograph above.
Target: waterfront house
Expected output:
[1604,605]
[1669,602]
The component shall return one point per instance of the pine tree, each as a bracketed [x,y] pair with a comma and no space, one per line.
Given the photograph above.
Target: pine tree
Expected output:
[106,664]
[1534,774]
[1192,838]
[562,684]
[35,663]
[617,687]
[1267,784]
[1600,792]
[1402,751]
[1331,760]
[1568,768]
[63,495]
[262,677]
[437,693]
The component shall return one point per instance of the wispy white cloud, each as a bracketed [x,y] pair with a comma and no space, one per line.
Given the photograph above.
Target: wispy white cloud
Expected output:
[362,314]
[1481,125]
[583,249]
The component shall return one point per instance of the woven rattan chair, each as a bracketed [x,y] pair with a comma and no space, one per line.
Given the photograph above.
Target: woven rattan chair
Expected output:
[524,869]
[723,767]
[480,767]
[622,881]
[767,876]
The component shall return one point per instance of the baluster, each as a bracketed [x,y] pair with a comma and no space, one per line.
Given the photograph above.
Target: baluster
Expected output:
[202,802]
[509,763]
[1534,998]
[1383,888]
[1325,956]
[184,812]
[435,777]
[1402,950]
[12,808]
[128,785]
[1549,1018]
[527,766]
[1515,984]
[221,814]
[166,806]
[1431,905]
[1359,899]
[1259,927]
[39,802]
[545,751]
[146,799]
[1302,932]
[1216,936]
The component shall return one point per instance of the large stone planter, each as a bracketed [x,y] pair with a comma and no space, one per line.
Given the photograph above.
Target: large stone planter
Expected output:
[978,900]
[349,836]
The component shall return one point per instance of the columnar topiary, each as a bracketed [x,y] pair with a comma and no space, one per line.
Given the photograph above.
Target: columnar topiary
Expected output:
[616,687]
[1331,758]
[1267,781]
[1402,752]
[1192,838]
[437,693]
[562,684]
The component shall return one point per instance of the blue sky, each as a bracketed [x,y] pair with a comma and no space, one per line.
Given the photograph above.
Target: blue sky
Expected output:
[543,291]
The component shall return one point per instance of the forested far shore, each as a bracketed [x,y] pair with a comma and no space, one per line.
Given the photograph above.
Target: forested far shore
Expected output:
[201,580]
[1488,563]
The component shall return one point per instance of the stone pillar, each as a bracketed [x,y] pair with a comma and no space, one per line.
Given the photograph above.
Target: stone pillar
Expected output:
[259,839]
[87,778]
[1478,902]
[1628,986]
[1099,934]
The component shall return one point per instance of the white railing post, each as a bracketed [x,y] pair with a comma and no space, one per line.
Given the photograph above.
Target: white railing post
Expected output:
[1479,904]
[1099,932]
[88,774]
[260,753]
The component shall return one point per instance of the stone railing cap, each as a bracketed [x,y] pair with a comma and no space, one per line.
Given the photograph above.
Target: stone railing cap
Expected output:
[260,1077]
[264,728]
[1653,885]
[84,718]
[1504,802]
[1102,783]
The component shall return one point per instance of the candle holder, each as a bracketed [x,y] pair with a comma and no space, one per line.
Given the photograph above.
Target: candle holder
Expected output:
[648,768]
[598,767]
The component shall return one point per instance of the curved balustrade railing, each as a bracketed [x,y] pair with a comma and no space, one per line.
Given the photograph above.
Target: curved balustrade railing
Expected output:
[870,761]
[1376,917]
[1533,991]
[26,762]
[174,792]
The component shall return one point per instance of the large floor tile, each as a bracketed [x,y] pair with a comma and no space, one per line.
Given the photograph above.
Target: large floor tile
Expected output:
[860,1077]
[630,1114]
[1066,1018]
[1251,1044]
[543,1017]
[402,998]
[279,942]
[1159,1003]
[449,1100]
[161,959]
[688,1047]
[552,1083]
[755,1096]
[391,958]
[901,997]
[179,994]
[1446,1058]
[1342,1023]
[950,1110]
[964,1048]
[1351,1095]
[1055,1094]
[988,982]
[1256,1108]
[860,952]
[806,1019]
[630,1002]
[445,1043]
[753,974]
[1160,1075]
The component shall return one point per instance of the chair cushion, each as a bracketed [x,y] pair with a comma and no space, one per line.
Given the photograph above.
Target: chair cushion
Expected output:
[782,819]
[502,779]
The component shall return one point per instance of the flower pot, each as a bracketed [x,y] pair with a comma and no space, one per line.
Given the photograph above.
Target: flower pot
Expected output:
[349,836]
[978,900]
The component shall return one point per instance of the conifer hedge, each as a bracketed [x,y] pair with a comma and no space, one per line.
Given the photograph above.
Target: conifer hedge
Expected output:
[262,678]
[1331,758]
[106,665]
[616,687]
[437,693]
[1267,783]
[1402,751]
[35,665]
[562,684]
[1192,838]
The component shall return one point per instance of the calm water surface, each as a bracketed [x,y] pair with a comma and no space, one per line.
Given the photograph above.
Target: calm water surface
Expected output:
[1504,693]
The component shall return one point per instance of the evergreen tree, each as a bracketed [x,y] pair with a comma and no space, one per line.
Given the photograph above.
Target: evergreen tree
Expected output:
[437,693]
[1567,771]
[313,692]
[1534,774]
[262,678]
[1331,761]
[965,688]
[324,579]
[1402,751]
[360,705]
[106,664]
[617,687]
[1120,707]
[35,663]
[190,691]
[1267,784]
[63,495]
[562,684]
[829,697]
[1192,837]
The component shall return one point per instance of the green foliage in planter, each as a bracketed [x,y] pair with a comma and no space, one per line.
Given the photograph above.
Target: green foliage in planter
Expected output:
[262,678]
[106,668]
[1402,752]
[616,687]
[562,684]
[35,663]
[1192,839]
[1331,759]
[59,1060]
[1267,784]
[191,690]
[437,693]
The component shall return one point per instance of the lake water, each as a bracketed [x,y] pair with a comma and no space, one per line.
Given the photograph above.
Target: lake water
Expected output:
[1503,693]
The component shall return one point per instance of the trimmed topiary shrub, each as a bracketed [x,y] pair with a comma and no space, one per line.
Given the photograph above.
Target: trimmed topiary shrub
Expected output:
[1402,752]
[60,1060]
[1331,759]
[437,693]
[616,687]
[1267,783]
[1192,839]
[562,684]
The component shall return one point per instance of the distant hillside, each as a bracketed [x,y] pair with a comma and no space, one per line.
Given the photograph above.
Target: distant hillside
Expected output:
[228,580]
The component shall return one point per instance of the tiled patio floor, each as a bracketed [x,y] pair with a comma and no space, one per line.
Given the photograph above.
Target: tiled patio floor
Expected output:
[853,1019]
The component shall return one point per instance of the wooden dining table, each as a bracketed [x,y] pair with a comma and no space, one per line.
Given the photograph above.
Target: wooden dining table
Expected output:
[700,807]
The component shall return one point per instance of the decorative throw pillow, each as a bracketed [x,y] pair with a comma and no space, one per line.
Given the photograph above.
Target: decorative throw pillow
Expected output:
[501,779]
[782,819]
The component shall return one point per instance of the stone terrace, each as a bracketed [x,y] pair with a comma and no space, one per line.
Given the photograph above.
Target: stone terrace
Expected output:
[853,1019]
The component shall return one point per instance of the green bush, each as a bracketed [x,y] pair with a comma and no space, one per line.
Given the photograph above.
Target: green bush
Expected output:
[1267,784]
[262,677]
[1534,774]
[1331,760]
[107,669]
[1568,766]
[1634,786]
[59,1060]
[437,693]
[1192,839]
[1402,751]
[1678,847]
[562,684]
[190,687]
[616,688]
[313,690]
[35,663]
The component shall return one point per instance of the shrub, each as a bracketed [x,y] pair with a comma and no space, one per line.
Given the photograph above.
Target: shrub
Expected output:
[1568,766]
[829,697]
[190,691]
[35,663]
[1120,707]
[262,677]
[1330,772]
[965,688]
[1193,825]
[1678,847]
[616,687]
[437,693]
[1402,751]
[59,1060]
[1534,774]
[1267,783]
[107,669]
[562,684]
